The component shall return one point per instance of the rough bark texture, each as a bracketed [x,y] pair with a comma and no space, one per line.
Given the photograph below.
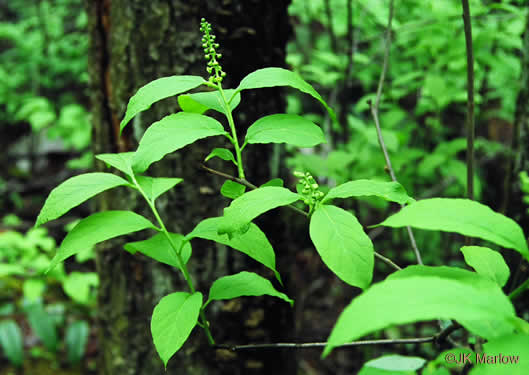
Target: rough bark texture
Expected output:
[134,42]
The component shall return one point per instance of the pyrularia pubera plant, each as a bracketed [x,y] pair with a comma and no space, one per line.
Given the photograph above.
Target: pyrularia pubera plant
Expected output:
[472,298]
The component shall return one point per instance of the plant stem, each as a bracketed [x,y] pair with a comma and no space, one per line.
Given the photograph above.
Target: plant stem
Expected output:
[515,293]
[374,112]
[177,250]
[235,141]
[470,99]
[307,345]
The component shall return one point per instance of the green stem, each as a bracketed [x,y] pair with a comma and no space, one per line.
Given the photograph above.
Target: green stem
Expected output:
[515,293]
[177,250]
[235,141]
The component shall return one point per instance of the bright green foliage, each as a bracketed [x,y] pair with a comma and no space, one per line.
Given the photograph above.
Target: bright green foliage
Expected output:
[97,228]
[80,286]
[76,339]
[272,77]
[232,190]
[252,243]
[462,216]
[157,90]
[156,186]
[121,161]
[173,319]
[487,262]
[75,191]
[284,128]
[202,101]
[42,324]
[252,204]
[11,341]
[392,364]
[244,284]
[172,133]
[427,295]
[274,182]
[159,248]
[222,153]
[390,191]
[343,245]
[515,352]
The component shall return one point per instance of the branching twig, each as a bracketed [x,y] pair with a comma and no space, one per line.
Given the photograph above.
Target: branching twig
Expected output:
[297,210]
[308,345]
[374,112]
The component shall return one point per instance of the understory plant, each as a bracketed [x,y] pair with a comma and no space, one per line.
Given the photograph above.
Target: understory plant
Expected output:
[473,299]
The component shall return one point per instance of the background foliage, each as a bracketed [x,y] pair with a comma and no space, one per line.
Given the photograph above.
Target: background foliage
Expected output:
[45,130]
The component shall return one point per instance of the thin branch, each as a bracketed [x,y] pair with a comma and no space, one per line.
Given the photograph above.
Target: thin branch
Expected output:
[247,184]
[470,99]
[388,261]
[374,112]
[308,345]
[445,333]
[297,210]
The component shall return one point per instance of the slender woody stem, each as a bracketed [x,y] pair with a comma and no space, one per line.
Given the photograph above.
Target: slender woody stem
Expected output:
[374,112]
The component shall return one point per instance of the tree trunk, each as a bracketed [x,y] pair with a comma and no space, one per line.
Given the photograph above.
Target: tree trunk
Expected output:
[132,43]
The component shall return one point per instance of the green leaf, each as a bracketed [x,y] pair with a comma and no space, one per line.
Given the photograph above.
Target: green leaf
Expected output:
[172,133]
[252,243]
[76,339]
[42,324]
[75,191]
[222,153]
[396,363]
[156,186]
[390,191]
[121,161]
[285,128]
[187,104]
[487,262]
[252,204]
[274,182]
[244,284]
[462,216]
[202,101]
[343,245]
[272,77]
[232,190]
[97,228]
[157,90]
[506,355]
[11,341]
[173,319]
[420,293]
[159,248]
[78,286]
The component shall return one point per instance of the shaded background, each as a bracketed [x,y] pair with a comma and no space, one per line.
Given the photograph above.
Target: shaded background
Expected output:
[68,68]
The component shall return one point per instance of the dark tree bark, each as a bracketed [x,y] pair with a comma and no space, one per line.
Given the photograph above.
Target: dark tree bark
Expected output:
[132,43]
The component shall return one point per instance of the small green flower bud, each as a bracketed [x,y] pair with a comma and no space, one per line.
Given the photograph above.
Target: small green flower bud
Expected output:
[299,174]
[314,186]
[223,74]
